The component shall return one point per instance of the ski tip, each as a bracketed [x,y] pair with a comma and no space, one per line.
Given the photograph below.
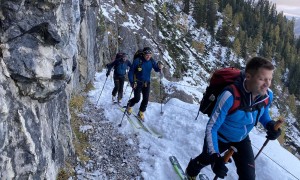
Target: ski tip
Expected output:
[203,177]
[172,157]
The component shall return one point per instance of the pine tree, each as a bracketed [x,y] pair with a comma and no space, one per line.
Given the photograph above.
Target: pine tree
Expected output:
[199,13]
[211,16]
[186,6]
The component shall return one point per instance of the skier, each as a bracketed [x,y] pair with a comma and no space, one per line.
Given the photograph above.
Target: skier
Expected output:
[223,130]
[139,78]
[120,64]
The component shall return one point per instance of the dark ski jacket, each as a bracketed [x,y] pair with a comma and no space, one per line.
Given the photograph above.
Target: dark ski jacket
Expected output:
[134,75]
[119,66]
[236,126]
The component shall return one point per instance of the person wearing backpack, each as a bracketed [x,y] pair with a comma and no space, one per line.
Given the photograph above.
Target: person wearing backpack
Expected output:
[139,78]
[120,65]
[226,129]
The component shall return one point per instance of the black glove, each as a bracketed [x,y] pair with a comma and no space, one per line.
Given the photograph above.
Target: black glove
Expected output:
[218,165]
[107,74]
[272,134]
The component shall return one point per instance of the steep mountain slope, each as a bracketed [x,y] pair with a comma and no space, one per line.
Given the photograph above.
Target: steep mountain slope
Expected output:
[188,52]
[297,27]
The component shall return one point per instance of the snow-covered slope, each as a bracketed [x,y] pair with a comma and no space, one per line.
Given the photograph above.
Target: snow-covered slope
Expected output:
[183,137]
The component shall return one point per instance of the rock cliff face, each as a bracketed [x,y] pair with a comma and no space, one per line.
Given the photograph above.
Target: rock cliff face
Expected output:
[48,51]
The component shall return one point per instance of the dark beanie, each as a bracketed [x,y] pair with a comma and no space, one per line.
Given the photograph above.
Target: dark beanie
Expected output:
[147,50]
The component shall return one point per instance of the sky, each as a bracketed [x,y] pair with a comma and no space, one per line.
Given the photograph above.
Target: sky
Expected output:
[182,136]
[289,7]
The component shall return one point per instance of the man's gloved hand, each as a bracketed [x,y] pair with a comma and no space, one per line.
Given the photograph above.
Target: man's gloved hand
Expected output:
[218,165]
[272,134]
[107,74]
[133,85]
[160,65]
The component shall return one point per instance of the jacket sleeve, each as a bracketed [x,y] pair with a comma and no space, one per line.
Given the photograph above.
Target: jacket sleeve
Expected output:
[155,65]
[265,118]
[131,71]
[128,64]
[111,65]
[218,116]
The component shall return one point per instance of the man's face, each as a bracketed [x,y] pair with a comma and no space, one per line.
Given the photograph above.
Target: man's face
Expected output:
[147,56]
[124,57]
[259,83]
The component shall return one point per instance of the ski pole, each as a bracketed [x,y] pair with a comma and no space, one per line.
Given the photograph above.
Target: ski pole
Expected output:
[211,99]
[276,127]
[126,88]
[161,112]
[197,113]
[125,109]
[227,156]
[101,91]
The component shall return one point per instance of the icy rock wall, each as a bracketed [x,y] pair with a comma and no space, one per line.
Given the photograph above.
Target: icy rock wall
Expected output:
[47,53]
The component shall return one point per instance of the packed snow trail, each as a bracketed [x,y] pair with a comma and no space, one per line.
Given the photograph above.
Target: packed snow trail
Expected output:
[183,138]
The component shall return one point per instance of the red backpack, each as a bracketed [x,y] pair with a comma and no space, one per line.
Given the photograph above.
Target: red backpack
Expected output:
[221,78]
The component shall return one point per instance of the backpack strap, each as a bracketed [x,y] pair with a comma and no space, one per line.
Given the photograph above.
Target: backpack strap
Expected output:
[237,99]
[139,67]
[141,63]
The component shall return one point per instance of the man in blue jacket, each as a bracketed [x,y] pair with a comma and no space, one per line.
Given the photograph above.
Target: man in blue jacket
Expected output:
[139,78]
[120,64]
[224,130]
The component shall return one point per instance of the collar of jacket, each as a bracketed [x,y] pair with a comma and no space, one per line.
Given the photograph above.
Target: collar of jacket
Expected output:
[246,96]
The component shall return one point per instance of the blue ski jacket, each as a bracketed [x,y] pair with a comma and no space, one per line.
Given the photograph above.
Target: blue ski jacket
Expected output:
[236,126]
[141,70]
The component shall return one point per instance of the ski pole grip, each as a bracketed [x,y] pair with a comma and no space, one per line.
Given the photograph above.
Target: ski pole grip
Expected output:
[278,123]
[229,153]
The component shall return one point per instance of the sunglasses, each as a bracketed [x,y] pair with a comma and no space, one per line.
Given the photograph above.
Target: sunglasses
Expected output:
[147,52]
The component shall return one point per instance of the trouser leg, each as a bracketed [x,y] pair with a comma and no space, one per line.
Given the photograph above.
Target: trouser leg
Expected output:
[195,165]
[116,88]
[121,86]
[137,95]
[145,92]
[244,160]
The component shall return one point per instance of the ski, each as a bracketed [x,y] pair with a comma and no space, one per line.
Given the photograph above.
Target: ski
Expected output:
[141,124]
[147,129]
[203,177]
[177,167]
[130,120]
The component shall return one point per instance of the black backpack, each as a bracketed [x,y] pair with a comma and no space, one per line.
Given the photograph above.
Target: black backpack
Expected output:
[138,53]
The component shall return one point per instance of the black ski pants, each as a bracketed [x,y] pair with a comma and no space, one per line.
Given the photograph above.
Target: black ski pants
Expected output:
[243,159]
[119,84]
[144,88]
